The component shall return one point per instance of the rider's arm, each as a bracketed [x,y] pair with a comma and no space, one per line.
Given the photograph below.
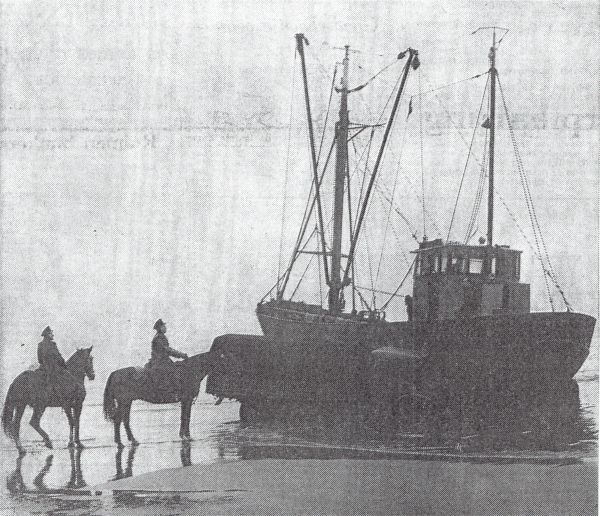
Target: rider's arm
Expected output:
[56,356]
[59,358]
[174,353]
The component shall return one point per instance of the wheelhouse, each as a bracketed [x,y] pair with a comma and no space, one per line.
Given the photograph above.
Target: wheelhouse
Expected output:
[455,280]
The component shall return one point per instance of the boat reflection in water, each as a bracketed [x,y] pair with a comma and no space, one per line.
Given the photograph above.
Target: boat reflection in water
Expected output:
[549,422]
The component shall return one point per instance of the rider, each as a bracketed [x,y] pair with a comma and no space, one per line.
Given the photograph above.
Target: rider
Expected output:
[49,357]
[160,363]
[52,363]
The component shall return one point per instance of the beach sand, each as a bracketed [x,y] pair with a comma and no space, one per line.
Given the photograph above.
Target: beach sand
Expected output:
[358,486]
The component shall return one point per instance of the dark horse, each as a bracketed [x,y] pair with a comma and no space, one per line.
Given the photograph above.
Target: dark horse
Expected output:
[131,383]
[30,388]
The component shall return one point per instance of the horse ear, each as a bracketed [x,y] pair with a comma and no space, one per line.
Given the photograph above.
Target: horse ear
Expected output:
[90,349]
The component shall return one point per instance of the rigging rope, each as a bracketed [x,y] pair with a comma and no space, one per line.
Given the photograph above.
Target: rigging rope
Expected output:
[399,286]
[467,160]
[413,231]
[370,267]
[319,265]
[452,84]
[287,168]
[302,277]
[327,114]
[389,211]
[537,232]
[478,192]
[367,150]
[421,151]
[358,88]
[398,240]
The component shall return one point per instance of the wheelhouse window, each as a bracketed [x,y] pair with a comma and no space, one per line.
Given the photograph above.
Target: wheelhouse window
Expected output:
[418,262]
[475,266]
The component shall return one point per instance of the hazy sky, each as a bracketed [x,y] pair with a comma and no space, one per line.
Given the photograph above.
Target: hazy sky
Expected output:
[144,149]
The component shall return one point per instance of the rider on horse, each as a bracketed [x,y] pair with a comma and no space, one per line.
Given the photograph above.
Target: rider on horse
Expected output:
[52,365]
[164,372]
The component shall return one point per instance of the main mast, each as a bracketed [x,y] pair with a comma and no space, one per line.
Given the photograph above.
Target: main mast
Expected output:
[336,301]
[493,73]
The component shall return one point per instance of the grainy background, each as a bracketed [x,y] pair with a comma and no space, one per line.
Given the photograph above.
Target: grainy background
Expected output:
[144,147]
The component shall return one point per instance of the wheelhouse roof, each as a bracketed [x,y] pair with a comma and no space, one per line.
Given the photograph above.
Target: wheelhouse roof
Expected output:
[437,245]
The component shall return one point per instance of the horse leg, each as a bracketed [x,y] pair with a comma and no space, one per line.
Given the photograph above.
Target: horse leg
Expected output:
[38,412]
[117,425]
[188,417]
[77,416]
[186,409]
[69,412]
[16,427]
[126,416]
[182,419]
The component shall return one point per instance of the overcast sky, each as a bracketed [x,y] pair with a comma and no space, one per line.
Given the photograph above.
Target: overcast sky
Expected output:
[144,149]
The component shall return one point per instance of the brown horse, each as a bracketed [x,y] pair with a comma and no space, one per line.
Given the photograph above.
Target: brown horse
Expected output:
[131,383]
[30,388]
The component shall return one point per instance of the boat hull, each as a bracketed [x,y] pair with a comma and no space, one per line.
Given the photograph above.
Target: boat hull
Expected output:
[307,357]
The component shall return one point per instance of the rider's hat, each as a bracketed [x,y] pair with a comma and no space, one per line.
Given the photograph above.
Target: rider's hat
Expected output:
[47,331]
[158,324]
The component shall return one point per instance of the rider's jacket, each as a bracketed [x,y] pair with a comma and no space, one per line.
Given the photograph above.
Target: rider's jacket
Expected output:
[161,351]
[49,357]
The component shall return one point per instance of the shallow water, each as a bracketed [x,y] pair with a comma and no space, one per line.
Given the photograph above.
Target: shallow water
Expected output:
[561,432]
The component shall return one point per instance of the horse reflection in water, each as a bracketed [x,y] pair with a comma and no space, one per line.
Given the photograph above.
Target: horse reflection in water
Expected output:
[16,485]
[128,472]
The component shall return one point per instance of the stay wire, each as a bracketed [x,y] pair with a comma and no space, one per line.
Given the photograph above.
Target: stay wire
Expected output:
[467,160]
[389,210]
[432,90]
[327,114]
[421,156]
[537,233]
[478,193]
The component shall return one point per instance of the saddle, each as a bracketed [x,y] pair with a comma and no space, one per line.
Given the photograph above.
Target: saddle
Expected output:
[166,382]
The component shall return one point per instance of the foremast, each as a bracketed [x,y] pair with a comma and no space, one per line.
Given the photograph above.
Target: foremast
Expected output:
[336,287]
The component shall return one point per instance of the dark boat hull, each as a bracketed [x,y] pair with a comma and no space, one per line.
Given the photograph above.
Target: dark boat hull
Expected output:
[308,358]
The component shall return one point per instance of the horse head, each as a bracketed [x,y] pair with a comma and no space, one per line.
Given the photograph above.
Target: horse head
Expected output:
[82,362]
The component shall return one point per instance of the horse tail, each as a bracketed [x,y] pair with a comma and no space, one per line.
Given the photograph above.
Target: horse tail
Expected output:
[8,411]
[109,399]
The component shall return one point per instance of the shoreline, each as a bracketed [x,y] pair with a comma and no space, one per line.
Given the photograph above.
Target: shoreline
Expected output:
[375,486]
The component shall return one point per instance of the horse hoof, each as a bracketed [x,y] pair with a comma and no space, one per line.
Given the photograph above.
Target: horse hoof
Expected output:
[48,444]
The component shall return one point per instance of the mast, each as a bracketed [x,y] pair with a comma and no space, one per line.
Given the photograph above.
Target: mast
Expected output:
[300,40]
[341,162]
[493,73]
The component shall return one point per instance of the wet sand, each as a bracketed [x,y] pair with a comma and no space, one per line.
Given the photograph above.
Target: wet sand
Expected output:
[228,469]
[358,486]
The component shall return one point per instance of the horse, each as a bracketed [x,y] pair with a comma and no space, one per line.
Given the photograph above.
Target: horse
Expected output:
[130,383]
[30,388]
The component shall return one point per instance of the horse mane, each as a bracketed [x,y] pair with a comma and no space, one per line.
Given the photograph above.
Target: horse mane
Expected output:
[76,354]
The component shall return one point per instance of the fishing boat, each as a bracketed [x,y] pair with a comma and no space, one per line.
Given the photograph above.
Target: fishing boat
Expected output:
[469,329]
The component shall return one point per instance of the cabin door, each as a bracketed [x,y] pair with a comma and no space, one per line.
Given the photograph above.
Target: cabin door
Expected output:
[433,301]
